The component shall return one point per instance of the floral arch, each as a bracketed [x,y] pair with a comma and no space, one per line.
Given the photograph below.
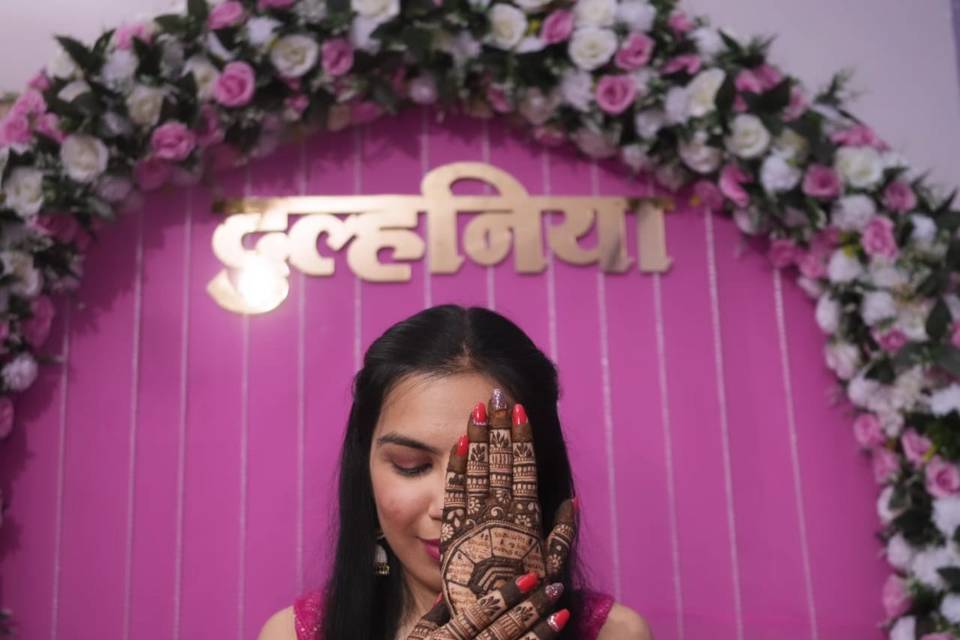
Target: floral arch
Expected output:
[636,81]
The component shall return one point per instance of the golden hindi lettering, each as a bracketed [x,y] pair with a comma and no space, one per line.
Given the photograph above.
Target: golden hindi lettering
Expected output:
[255,280]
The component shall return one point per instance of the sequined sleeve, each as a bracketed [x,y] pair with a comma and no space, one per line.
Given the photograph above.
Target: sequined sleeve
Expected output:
[596,608]
[307,610]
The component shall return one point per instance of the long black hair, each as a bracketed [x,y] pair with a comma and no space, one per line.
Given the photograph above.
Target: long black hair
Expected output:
[438,341]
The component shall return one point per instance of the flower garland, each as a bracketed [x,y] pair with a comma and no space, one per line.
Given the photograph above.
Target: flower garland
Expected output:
[169,100]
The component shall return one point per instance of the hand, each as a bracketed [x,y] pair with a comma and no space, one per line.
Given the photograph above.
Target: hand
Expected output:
[492,526]
[510,613]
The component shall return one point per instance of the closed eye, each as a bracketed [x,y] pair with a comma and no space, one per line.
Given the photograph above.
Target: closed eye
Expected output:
[412,471]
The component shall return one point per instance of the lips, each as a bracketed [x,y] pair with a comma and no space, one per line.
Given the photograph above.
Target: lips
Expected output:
[432,548]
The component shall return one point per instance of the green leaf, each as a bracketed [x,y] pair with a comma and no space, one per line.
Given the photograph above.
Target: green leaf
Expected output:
[418,41]
[951,576]
[338,6]
[938,321]
[909,355]
[732,44]
[726,94]
[948,357]
[173,23]
[198,10]
[84,58]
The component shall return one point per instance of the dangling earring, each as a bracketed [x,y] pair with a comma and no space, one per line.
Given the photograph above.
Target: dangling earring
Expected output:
[381,566]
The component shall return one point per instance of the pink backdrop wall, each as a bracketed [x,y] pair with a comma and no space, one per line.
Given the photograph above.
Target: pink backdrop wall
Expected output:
[173,478]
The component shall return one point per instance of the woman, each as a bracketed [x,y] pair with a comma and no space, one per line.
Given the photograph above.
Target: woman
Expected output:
[406,485]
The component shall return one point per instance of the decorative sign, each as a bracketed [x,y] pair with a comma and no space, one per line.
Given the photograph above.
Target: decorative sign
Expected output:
[256,280]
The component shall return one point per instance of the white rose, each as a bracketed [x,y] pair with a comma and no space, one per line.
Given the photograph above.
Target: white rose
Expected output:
[84,157]
[260,31]
[912,319]
[635,156]
[594,13]
[945,400]
[703,91]
[312,11]
[423,89]
[899,552]
[860,167]
[462,48]
[649,122]
[924,230]
[748,137]
[708,42]
[114,188]
[852,213]
[23,191]
[116,125]
[677,105]
[530,44]
[637,15]
[843,267]
[381,10]
[576,87]
[144,104]
[946,515]
[926,563]
[884,511]
[671,176]
[877,306]
[950,607]
[62,66]
[592,47]
[531,5]
[907,391]
[536,107]
[699,155]
[790,145]
[205,75]
[748,220]
[904,629]
[29,281]
[19,373]
[828,314]
[507,26]
[73,90]
[843,359]
[293,56]
[811,286]
[891,159]
[777,175]
[216,47]
[361,34]
[594,143]
[883,274]
[862,389]
[119,67]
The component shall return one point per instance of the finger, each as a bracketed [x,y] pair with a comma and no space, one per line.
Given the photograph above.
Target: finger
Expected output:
[481,614]
[478,470]
[455,492]
[561,537]
[549,628]
[513,624]
[431,621]
[526,502]
[501,449]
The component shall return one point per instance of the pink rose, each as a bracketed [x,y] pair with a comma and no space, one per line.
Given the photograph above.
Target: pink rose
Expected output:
[943,478]
[877,238]
[885,464]
[769,76]
[635,52]
[152,173]
[798,104]
[173,141]
[49,125]
[14,129]
[782,253]
[821,182]
[748,82]
[296,105]
[943,635]
[274,4]
[364,112]
[812,264]
[62,227]
[680,23]
[40,82]
[708,195]
[955,334]
[557,27]
[868,432]
[859,135]
[209,131]
[236,85]
[548,136]
[899,197]
[497,97]
[124,35]
[731,177]
[226,14]
[337,56]
[915,447]
[689,62]
[6,416]
[615,93]
[36,329]
[826,240]
[890,341]
[30,103]
[896,598]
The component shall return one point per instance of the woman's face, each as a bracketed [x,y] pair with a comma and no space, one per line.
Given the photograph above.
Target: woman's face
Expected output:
[421,420]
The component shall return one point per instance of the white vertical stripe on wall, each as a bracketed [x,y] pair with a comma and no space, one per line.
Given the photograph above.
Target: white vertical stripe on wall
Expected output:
[794,454]
[607,405]
[724,431]
[668,451]
[301,381]
[134,418]
[551,277]
[424,168]
[61,460]
[182,418]
[357,289]
[485,154]
[244,446]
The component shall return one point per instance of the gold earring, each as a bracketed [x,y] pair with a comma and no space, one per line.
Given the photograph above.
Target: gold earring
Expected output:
[381,565]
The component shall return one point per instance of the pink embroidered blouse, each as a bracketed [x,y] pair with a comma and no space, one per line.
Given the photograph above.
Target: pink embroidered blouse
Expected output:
[308,609]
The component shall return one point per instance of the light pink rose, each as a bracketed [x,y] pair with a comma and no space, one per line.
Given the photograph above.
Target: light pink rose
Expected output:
[14,129]
[739,104]
[943,478]
[798,104]
[915,447]
[296,105]
[209,131]
[943,635]
[36,329]
[859,135]
[689,62]
[497,97]
[891,340]
[173,141]
[226,14]
[49,125]
[337,55]
[731,177]
[6,416]
[821,182]
[896,598]
[62,227]
[748,82]
[615,93]
[636,52]
[274,4]
[152,173]
[868,431]
[548,136]
[768,75]
[124,35]
[30,103]
[40,82]
[899,197]
[826,240]
[877,238]
[364,112]
[885,464]
[557,27]
[782,253]
[812,264]
[680,22]
[236,85]
[955,334]
[708,194]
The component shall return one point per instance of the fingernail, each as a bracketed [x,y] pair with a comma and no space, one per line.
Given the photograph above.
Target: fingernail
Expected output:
[479,413]
[439,598]
[576,504]
[499,401]
[554,590]
[528,582]
[558,620]
[463,445]
[519,414]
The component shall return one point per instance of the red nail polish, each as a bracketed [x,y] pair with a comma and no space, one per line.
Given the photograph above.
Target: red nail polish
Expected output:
[480,413]
[528,582]
[519,414]
[576,504]
[558,620]
[463,445]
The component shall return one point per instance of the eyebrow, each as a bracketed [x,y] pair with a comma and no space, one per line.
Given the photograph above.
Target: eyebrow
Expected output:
[403,441]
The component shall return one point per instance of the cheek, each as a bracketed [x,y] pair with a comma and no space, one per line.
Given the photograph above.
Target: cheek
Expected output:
[401,502]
